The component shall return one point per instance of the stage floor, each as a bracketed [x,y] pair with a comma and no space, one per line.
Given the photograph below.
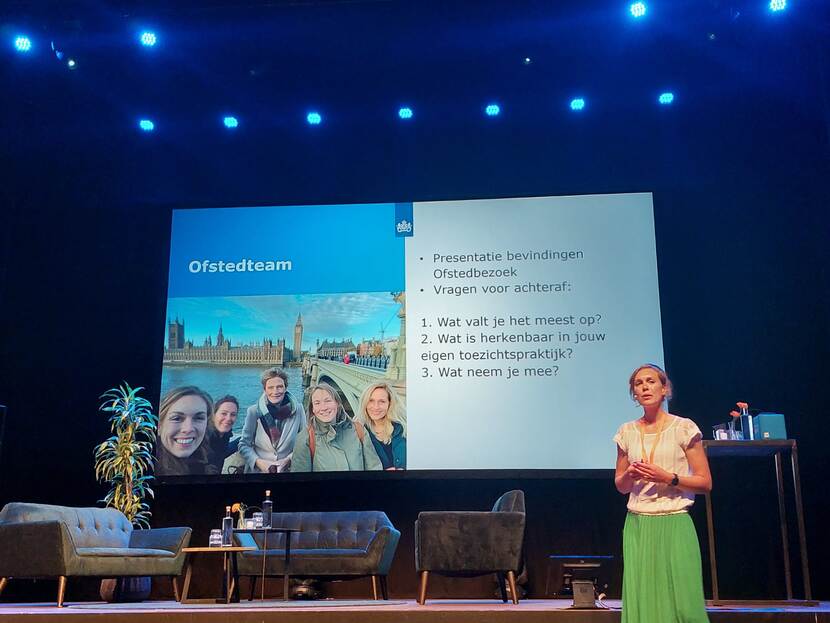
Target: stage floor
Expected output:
[393,611]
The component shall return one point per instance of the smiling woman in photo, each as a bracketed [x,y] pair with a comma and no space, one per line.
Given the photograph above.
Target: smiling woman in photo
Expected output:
[183,421]
[271,425]
[219,439]
[381,413]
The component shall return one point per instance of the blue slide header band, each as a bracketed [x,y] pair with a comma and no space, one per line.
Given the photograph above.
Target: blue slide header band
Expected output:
[286,250]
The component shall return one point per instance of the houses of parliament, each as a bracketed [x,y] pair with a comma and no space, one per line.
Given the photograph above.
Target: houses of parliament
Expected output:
[179,350]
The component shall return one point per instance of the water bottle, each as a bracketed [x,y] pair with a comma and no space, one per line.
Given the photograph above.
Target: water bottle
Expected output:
[746,423]
[227,528]
[267,509]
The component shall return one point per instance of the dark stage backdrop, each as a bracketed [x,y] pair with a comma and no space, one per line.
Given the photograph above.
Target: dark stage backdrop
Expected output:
[739,171]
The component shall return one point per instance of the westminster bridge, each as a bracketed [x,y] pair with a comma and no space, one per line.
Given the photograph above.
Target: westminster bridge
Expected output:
[350,379]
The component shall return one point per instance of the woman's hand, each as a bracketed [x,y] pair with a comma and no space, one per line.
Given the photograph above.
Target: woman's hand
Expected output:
[650,472]
[284,465]
[623,474]
[263,465]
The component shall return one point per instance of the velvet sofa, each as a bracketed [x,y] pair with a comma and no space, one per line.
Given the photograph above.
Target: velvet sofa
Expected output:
[44,541]
[328,546]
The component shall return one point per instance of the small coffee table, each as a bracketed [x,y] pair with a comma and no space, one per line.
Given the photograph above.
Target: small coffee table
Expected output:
[230,577]
[265,532]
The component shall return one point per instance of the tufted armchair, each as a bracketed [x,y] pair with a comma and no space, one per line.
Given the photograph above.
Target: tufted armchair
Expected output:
[467,544]
[334,545]
[43,541]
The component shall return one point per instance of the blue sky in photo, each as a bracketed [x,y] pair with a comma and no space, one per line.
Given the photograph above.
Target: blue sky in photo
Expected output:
[246,319]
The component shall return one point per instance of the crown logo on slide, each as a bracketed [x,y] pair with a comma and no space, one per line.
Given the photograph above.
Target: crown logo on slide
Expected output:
[404,226]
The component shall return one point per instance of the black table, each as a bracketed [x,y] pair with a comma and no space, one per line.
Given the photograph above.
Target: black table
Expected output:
[763,448]
[265,532]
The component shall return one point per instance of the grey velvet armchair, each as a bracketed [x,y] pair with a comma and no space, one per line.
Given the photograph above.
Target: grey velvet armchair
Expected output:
[467,544]
[43,541]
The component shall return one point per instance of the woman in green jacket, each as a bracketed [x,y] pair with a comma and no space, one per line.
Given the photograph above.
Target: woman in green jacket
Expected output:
[332,441]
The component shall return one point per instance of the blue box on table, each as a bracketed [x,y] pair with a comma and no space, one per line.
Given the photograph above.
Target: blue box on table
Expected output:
[769,426]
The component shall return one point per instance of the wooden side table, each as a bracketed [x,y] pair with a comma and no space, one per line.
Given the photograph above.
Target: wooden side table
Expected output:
[230,576]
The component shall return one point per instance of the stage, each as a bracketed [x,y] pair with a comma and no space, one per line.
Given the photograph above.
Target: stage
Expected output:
[393,611]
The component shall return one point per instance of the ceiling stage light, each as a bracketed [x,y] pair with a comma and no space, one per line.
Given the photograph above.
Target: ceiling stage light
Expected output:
[314,118]
[666,98]
[577,103]
[231,122]
[492,110]
[22,43]
[148,39]
[405,112]
[146,125]
[638,9]
[777,5]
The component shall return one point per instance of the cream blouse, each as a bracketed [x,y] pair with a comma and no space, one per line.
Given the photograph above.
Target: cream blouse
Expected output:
[651,498]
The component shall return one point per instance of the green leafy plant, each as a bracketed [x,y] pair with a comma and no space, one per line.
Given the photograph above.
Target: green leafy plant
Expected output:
[125,460]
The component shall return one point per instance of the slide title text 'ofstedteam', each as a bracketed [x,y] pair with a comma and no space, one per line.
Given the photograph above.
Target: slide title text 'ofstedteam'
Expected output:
[240,266]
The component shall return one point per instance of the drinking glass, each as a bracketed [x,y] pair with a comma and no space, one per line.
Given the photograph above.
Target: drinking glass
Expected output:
[215,539]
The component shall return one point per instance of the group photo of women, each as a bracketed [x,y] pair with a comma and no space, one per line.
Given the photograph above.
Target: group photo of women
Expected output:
[281,432]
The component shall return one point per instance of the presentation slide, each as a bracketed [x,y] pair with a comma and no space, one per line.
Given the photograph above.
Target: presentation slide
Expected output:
[525,319]
[452,335]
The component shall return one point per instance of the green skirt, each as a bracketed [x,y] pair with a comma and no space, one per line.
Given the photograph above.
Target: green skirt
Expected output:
[662,577]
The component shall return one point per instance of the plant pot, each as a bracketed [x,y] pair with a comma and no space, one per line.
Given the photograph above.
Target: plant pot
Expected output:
[122,590]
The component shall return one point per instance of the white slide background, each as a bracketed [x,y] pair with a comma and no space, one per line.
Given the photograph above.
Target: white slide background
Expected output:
[558,412]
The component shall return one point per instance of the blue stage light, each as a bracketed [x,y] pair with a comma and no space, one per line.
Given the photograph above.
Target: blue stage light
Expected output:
[666,98]
[638,9]
[777,5]
[492,110]
[231,122]
[314,118]
[577,103]
[146,125]
[148,38]
[71,63]
[405,113]
[22,43]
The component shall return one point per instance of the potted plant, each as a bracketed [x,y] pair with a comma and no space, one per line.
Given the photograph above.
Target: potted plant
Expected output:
[125,462]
